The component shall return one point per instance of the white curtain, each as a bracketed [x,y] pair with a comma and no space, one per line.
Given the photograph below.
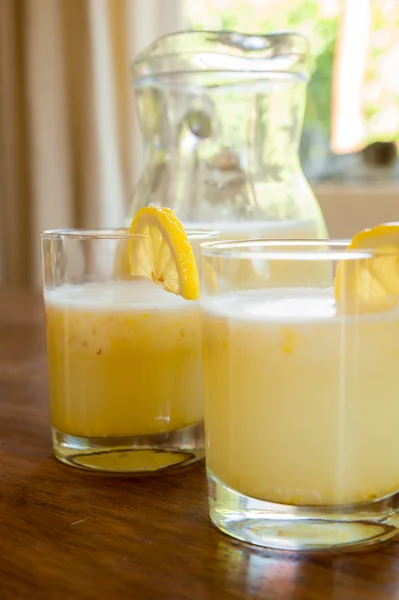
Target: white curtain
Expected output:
[69,149]
[363,78]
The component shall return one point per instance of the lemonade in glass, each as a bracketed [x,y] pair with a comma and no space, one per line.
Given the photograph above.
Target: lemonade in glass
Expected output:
[301,392]
[124,353]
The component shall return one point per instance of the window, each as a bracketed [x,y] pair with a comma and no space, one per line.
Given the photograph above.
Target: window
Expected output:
[352,118]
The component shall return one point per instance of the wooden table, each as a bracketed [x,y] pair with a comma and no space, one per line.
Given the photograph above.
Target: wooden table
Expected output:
[68,534]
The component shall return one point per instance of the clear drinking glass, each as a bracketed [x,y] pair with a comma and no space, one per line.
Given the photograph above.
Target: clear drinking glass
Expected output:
[301,399]
[124,357]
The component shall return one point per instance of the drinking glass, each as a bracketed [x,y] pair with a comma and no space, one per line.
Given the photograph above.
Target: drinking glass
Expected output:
[124,357]
[301,397]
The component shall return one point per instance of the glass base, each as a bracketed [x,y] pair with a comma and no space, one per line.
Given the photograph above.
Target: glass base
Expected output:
[287,527]
[137,454]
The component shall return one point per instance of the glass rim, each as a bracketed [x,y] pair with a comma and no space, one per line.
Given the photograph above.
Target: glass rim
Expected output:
[117,234]
[292,249]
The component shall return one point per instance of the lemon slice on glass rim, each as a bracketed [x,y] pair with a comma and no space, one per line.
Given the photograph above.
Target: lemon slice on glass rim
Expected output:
[163,253]
[370,284]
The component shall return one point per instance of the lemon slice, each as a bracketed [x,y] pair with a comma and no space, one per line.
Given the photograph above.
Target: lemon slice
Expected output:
[164,253]
[370,285]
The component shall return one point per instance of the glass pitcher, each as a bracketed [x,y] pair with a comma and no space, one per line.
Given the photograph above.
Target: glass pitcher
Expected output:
[221,114]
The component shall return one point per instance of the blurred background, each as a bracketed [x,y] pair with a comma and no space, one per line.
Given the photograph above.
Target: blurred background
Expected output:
[70,149]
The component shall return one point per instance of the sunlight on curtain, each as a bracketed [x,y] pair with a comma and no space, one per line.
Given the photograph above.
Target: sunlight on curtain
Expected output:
[366,90]
[348,129]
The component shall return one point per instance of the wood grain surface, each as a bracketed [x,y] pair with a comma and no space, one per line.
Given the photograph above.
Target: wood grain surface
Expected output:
[69,534]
